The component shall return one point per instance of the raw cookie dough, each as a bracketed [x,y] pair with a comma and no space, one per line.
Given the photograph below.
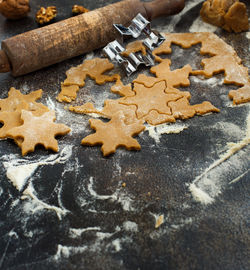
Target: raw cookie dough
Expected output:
[38,130]
[16,98]
[115,133]
[231,15]
[156,100]
[133,47]
[223,59]
[94,68]
[11,107]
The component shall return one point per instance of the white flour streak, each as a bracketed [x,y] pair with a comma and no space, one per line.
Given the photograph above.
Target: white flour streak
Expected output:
[118,196]
[130,226]
[200,26]
[155,132]
[208,185]
[237,179]
[19,171]
[66,251]
[248,35]
[211,82]
[74,233]
[117,244]
[29,192]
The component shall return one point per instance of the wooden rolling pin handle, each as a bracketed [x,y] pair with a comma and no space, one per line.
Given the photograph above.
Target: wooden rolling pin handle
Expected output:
[4,62]
[160,8]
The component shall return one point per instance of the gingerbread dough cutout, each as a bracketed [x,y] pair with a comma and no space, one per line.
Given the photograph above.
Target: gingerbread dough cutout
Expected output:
[94,68]
[223,59]
[154,98]
[38,130]
[16,98]
[11,107]
[114,134]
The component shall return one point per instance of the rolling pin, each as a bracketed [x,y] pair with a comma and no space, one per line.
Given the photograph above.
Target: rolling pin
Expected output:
[77,35]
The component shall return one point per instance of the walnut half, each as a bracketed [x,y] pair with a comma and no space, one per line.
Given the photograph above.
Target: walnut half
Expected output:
[14,9]
[45,15]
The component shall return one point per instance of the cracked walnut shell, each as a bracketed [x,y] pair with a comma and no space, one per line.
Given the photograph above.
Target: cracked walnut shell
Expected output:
[14,9]
[45,15]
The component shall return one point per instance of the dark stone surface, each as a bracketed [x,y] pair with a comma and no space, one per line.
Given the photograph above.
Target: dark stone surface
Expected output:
[104,225]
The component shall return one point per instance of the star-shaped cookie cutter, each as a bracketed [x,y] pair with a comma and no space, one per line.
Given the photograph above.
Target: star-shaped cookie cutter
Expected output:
[138,27]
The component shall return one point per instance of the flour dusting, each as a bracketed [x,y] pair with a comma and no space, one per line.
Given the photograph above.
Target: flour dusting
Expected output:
[19,171]
[156,132]
[200,26]
[206,187]
[119,196]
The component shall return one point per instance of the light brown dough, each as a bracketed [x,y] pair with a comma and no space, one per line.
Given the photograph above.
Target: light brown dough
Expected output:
[115,133]
[68,93]
[38,130]
[223,59]
[231,15]
[154,98]
[133,47]
[94,68]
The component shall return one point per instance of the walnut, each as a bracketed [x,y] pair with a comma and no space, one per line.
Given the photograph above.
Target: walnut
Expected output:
[45,15]
[14,9]
[79,9]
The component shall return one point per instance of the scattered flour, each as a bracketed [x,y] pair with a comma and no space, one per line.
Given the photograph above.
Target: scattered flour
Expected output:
[74,233]
[155,132]
[200,26]
[118,196]
[130,226]
[19,171]
[248,35]
[207,186]
[66,251]
[117,244]
[211,82]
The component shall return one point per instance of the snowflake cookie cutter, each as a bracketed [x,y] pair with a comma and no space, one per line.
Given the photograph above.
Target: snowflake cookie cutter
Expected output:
[139,26]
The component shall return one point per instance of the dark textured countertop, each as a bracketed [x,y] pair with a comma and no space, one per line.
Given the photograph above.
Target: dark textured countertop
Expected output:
[73,210]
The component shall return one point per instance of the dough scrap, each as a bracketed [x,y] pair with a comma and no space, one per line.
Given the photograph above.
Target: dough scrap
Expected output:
[121,89]
[133,47]
[38,130]
[183,110]
[94,68]
[175,78]
[68,93]
[223,59]
[231,15]
[111,107]
[113,134]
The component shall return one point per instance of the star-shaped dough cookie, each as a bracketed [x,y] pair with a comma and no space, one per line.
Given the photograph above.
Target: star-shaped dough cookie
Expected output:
[153,98]
[15,98]
[38,130]
[113,134]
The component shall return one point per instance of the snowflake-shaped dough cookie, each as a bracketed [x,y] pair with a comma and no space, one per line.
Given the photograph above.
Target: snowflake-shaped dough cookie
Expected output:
[38,130]
[153,98]
[113,134]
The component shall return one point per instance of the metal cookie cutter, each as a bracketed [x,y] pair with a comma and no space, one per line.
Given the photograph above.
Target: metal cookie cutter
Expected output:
[138,27]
